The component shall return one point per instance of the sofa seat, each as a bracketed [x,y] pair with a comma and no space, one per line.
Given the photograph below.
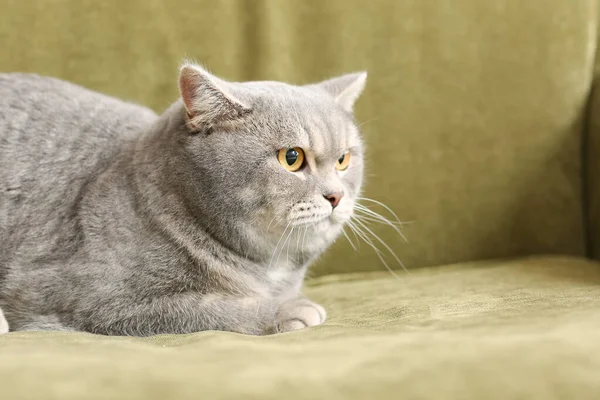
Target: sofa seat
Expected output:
[525,328]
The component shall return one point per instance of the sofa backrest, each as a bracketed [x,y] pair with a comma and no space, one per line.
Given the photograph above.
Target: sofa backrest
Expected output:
[472,114]
[591,155]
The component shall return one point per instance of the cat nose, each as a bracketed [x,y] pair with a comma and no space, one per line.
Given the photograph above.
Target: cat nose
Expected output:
[334,198]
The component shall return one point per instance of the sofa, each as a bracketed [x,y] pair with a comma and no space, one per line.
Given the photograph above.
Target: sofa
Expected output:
[482,128]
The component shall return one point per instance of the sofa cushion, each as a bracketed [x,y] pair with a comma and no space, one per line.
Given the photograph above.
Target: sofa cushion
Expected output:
[525,328]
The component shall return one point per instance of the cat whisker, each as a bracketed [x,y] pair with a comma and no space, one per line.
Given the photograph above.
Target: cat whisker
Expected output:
[288,247]
[269,226]
[366,122]
[374,214]
[350,241]
[284,243]
[380,219]
[388,248]
[276,222]
[304,240]
[366,217]
[298,241]
[382,205]
[355,236]
[378,252]
[277,246]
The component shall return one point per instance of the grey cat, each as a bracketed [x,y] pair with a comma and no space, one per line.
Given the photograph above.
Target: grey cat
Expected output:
[116,221]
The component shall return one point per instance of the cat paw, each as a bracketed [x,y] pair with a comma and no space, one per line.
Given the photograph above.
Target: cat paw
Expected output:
[3,323]
[299,313]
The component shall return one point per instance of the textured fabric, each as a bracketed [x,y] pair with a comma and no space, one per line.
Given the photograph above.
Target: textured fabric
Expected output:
[473,118]
[472,112]
[591,154]
[522,329]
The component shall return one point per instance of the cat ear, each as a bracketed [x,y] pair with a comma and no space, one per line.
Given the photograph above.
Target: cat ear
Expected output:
[345,89]
[207,99]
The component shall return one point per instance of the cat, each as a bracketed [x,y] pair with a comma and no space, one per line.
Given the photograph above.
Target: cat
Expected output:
[118,221]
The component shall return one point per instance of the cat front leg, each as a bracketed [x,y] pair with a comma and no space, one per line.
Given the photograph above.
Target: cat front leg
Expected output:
[182,313]
[299,313]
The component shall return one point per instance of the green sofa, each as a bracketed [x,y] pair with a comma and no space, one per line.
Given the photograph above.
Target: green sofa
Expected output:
[483,131]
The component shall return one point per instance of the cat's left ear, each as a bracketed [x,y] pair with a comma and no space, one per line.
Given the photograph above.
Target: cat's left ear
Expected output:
[345,89]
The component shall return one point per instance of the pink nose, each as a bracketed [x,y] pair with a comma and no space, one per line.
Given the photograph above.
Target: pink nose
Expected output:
[334,198]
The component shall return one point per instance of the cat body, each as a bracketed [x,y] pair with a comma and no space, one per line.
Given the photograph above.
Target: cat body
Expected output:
[117,221]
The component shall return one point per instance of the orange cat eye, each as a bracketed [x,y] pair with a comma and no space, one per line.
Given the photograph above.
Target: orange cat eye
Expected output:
[342,162]
[291,159]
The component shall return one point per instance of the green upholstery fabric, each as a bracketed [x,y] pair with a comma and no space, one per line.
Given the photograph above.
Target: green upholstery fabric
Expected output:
[524,329]
[591,156]
[474,116]
[472,113]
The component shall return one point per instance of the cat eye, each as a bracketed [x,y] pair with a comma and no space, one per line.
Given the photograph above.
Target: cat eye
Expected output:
[342,162]
[291,159]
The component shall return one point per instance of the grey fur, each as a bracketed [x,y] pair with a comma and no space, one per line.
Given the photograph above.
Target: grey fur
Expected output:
[116,221]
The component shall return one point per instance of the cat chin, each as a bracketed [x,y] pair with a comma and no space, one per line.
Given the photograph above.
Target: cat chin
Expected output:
[340,218]
[328,228]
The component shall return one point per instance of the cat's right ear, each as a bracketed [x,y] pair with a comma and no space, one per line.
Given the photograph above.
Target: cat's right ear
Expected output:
[344,89]
[207,99]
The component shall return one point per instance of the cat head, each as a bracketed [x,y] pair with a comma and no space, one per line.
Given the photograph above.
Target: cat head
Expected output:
[270,158]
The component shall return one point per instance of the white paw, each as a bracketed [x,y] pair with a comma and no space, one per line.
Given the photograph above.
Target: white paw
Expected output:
[3,323]
[298,314]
